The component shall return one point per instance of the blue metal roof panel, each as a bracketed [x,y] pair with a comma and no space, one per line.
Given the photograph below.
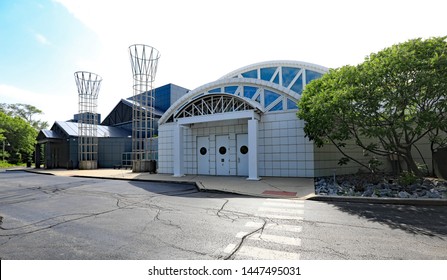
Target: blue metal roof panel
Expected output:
[130,102]
[51,134]
[71,128]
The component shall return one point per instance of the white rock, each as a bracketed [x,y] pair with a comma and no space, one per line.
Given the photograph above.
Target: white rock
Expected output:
[404,195]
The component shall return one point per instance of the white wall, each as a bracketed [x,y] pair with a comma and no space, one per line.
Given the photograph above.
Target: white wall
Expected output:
[165,148]
[282,148]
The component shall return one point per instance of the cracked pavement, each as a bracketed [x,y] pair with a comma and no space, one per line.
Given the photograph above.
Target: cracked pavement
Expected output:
[49,218]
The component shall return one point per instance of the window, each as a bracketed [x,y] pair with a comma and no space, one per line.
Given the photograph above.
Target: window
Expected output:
[267,73]
[249,92]
[298,85]
[288,73]
[230,89]
[215,90]
[222,150]
[251,74]
[312,75]
[277,107]
[276,79]
[291,104]
[269,97]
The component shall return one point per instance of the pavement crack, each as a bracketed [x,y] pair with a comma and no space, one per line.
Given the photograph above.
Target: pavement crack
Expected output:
[52,222]
[55,221]
[221,208]
[238,246]
[229,214]
[181,248]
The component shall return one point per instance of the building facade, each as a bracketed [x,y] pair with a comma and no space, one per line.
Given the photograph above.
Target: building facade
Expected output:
[58,147]
[243,124]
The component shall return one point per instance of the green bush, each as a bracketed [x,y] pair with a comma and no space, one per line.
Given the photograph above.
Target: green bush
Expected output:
[407,178]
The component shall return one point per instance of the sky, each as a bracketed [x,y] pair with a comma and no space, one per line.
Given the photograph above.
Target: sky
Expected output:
[43,42]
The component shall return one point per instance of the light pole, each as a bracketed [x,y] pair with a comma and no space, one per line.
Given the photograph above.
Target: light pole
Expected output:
[3,154]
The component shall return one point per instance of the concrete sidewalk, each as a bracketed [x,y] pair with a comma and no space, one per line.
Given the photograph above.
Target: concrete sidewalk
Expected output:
[273,187]
[279,187]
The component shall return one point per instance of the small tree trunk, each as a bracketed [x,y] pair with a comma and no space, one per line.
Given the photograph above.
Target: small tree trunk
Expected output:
[411,164]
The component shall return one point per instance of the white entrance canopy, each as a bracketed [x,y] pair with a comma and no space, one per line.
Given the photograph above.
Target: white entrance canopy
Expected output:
[252,120]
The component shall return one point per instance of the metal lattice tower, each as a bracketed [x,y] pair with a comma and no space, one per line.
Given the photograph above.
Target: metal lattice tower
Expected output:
[144,60]
[88,87]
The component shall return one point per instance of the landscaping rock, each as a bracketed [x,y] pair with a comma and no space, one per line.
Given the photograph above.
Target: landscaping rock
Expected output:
[404,194]
[374,185]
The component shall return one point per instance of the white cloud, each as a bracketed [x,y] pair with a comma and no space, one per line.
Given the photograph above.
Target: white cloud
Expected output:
[202,40]
[54,107]
[42,39]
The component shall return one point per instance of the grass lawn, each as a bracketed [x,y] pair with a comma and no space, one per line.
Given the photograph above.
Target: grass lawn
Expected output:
[5,164]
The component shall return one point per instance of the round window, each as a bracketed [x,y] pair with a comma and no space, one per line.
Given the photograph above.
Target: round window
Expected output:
[222,150]
[244,150]
[203,151]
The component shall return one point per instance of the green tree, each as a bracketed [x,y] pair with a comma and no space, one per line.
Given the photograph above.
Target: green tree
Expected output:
[20,136]
[385,105]
[25,111]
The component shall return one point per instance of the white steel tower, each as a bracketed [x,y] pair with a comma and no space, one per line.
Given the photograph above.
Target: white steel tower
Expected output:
[144,60]
[88,87]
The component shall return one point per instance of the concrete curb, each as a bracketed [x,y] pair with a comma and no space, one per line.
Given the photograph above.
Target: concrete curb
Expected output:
[323,198]
[373,200]
[259,195]
[136,179]
[197,184]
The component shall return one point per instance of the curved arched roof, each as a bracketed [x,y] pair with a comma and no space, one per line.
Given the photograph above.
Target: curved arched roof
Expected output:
[216,103]
[276,63]
[266,86]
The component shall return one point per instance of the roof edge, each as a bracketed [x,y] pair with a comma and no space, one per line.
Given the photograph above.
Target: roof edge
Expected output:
[277,63]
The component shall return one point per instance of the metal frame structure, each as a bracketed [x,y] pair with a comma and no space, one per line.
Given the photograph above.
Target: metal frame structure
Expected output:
[214,104]
[88,88]
[144,61]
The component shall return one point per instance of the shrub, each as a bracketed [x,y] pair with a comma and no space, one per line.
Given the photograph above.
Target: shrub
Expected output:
[407,178]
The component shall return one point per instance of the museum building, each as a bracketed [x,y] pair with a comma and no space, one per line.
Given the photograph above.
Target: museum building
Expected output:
[243,124]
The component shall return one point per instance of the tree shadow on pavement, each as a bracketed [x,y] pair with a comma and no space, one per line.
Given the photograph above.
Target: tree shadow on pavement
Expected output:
[419,220]
[179,189]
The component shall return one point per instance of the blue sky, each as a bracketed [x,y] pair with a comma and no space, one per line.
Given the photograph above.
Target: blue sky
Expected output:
[43,42]
[40,46]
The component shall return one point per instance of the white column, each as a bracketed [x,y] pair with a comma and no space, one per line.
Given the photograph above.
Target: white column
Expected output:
[178,151]
[253,149]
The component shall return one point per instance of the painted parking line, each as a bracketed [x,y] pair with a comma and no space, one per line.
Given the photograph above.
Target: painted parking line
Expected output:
[283,240]
[261,253]
[272,226]
[281,210]
[280,217]
[282,204]
[288,201]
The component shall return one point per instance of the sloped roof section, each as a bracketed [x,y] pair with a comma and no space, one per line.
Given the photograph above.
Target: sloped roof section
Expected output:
[122,113]
[71,129]
[48,135]
[51,134]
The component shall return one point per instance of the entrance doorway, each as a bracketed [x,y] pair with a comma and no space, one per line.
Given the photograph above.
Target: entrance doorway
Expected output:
[203,155]
[222,155]
[242,154]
